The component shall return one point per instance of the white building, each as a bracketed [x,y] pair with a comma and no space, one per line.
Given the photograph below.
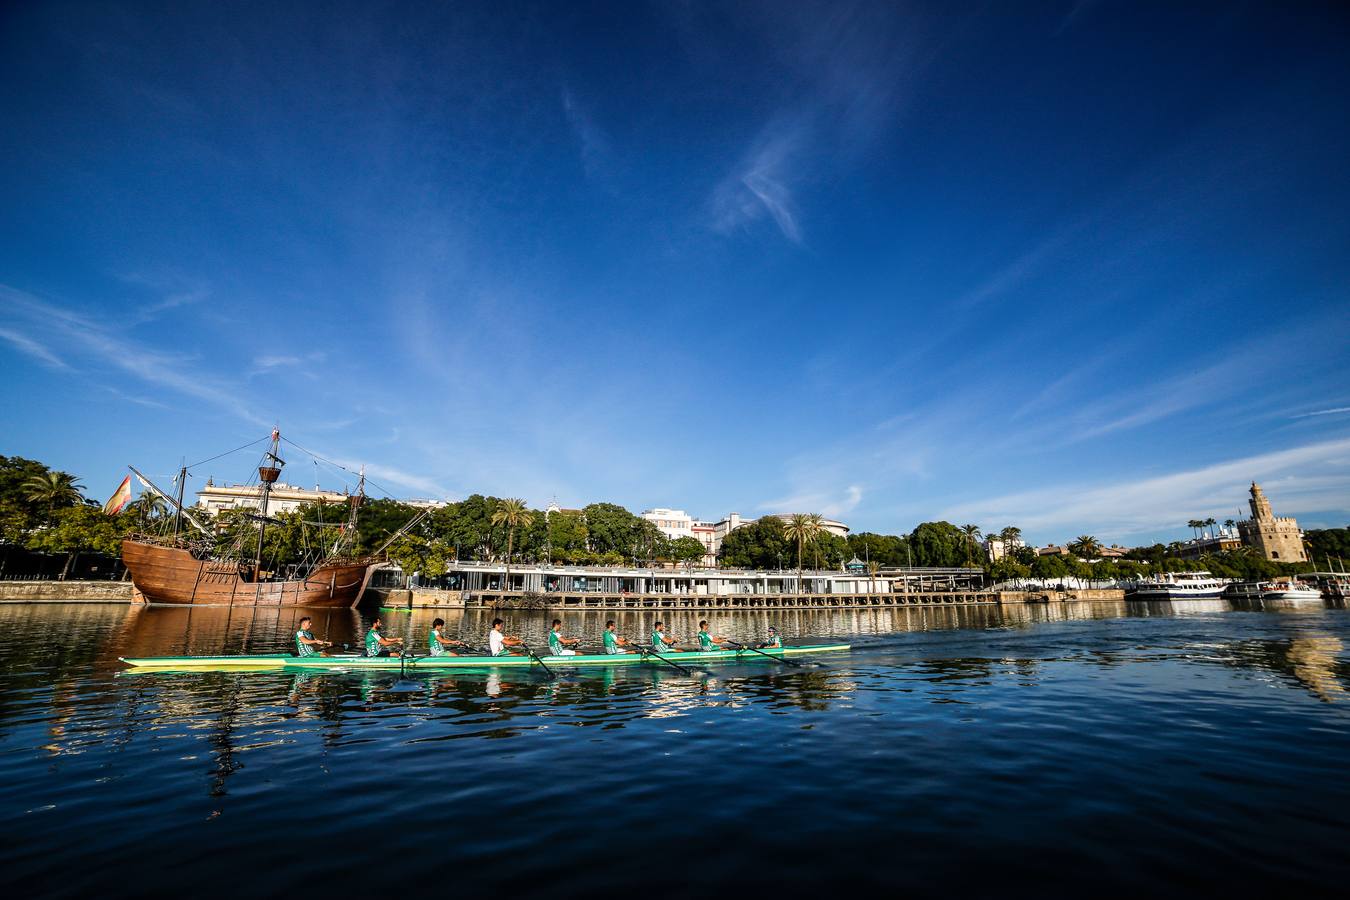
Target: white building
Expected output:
[676,523]
[673,523]
[285,497]
[997,548]
[830,525]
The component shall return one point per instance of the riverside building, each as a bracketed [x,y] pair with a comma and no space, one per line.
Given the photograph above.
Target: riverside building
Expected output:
[676,523]
[1277,537]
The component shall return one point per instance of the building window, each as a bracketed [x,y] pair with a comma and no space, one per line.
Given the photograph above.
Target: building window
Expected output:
[1274,555]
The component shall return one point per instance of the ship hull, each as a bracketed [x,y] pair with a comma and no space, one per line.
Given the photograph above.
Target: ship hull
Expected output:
[173,576]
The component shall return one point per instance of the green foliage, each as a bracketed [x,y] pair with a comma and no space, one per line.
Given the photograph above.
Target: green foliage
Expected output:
[1324,543]
[687,550]
[760,545]
[884,550]
[939,544]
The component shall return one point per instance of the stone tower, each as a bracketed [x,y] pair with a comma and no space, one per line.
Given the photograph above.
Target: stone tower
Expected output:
[1276,538]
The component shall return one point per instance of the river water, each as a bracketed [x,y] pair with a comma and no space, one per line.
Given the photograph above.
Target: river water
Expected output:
[1141,748]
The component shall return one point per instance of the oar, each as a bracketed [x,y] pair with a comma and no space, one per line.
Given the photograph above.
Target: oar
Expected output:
[535,657]
[769,655]
[647,652]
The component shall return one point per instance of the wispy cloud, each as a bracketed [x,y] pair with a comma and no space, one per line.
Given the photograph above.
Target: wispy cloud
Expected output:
[826,503]
[1339,410]
[1308,479]
[593,142]
[105,345]
[25,344]
[759,186]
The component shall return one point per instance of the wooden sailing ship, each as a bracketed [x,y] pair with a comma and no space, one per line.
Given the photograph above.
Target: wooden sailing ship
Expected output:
[183,569]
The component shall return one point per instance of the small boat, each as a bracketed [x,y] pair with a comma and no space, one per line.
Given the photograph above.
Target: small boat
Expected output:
[1179,586]
[1290,589]
[439,663]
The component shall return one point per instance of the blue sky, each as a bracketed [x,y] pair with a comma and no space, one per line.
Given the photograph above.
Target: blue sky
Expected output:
[1081,267]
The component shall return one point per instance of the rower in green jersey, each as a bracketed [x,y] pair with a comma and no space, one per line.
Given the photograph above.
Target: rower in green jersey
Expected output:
[773,641]
[306,644]
[614,643]
[438,644]
[379,645]
[661,643]
[559,645]
[707,641]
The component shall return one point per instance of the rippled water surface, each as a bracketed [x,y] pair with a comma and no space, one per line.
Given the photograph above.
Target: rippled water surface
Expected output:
[1095,747]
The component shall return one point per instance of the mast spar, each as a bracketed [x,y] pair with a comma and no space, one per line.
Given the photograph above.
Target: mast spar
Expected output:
[268,473]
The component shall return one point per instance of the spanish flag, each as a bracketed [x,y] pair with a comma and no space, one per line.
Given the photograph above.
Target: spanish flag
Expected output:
[120,498]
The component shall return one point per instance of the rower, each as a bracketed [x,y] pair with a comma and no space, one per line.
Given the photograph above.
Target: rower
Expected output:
[306,644]
[660,642]
[614,643]
[557,644]
[708,642]
[438,644]
[499,642]
[774,641]
[377,644]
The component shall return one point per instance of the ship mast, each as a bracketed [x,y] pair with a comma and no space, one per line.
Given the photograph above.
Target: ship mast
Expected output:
[268,473]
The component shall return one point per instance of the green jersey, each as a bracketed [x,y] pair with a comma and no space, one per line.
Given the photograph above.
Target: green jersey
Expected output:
[434,645]
[774,641]
[658,641]
[706,642]
[372,643]
[611,642]
[555,644]
[303,649]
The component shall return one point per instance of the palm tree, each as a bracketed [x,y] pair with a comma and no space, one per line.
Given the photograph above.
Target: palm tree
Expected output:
[1210,523]
[513,514]
[972,533]
[1194,526]
[54,489]
[802,528]
[1085,546]
[1229,524]
[148,508]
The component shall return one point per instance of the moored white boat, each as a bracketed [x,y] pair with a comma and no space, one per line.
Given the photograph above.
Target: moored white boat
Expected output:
[1290,590]
[1179,586]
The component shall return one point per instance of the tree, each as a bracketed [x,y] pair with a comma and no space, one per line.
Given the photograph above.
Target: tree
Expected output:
[1086,547]
[759,545]
[687,550]
[53,490]
[801,528]
[1194,525]
[78,529]
[972,533]
[938,544]
[146,509]
[514,514]
[1210,523]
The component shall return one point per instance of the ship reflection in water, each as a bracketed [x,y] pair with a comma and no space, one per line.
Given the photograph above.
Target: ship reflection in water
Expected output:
[995,731]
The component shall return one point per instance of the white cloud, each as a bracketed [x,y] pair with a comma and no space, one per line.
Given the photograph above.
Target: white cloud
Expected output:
[25,344]
[1340,410]
[759,185]
[1308,479]
[96,341]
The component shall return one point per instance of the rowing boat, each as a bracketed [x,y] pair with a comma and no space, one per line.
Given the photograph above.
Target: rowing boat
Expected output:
[438,663]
